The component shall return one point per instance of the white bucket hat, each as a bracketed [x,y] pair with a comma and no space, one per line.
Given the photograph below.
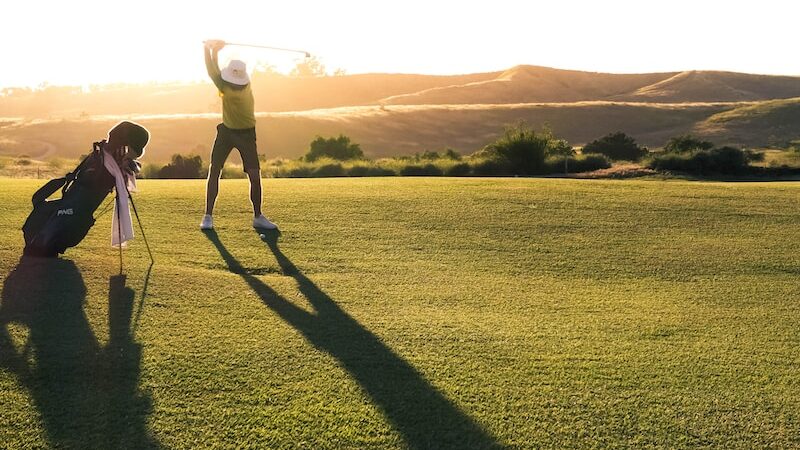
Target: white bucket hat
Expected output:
[236,73]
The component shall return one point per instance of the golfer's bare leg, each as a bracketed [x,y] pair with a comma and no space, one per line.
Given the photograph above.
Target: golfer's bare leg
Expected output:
[255,190]
[212,188]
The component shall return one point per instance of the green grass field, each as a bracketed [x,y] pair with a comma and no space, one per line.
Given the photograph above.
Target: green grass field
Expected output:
[413,313]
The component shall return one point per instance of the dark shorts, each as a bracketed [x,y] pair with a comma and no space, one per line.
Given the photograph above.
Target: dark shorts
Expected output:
[243,140]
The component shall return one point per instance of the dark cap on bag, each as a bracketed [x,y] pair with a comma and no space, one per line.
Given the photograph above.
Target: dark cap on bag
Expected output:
[131,134]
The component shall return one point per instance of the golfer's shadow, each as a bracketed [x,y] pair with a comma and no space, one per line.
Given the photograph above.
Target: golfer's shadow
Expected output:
[86,394]
[422,414]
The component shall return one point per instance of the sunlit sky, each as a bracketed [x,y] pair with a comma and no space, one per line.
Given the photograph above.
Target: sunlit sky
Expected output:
[92,42]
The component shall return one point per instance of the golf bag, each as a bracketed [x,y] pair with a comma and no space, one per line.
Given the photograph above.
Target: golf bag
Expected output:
[55,225]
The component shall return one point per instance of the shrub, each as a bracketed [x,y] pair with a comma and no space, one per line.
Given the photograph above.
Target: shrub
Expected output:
[458,170]
[754,156]
[669,161]
[588,163]
[291,168]
[722,160]
[309,67]
[391,164]
[23,160]
[339,148]
[329,170]
[560,148]
[231,171]
[150,170]
[183,167]
[380,172]
[427,155]
[369,171]
[428,170]
[686,143]
[521,149]
[452,154]
[299,172]
[358,171]
[579,163]
[490,168]
[616,146]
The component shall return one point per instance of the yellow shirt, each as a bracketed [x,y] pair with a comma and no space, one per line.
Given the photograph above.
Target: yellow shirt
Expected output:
[238,105]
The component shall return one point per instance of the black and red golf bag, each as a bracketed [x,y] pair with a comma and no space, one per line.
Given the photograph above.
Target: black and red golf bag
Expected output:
[55,225]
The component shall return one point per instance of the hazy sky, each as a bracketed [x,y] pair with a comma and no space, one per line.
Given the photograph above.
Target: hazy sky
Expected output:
[87,42]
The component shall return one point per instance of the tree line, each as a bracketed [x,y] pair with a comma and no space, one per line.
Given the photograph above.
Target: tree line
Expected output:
[519,151]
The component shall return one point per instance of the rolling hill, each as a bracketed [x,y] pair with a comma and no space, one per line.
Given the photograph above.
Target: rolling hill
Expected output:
[699,86]
[381,131]
[391,114]
[520,84]
[524,84]
[274,93]
[772,122]
[543,84]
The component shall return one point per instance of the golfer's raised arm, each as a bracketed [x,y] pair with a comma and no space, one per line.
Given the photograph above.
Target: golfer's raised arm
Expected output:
[212,65]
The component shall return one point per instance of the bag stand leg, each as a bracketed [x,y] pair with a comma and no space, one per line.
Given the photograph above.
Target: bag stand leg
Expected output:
[119,231]
[136,213]
[149,268]
[141,228]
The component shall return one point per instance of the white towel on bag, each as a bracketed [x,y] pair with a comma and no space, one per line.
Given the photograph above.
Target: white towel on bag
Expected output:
[121,223]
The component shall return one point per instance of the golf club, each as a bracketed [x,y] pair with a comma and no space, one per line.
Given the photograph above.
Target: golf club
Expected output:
[307,54]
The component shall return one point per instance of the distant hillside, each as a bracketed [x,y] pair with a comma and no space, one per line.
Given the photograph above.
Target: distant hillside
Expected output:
[775,122]
[389,131]
[273,93]
[543,84]
[520,84]
[301,94]
[698,86]
[393,114]
[526,84]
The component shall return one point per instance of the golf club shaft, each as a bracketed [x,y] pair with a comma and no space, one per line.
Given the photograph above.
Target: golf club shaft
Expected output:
[307,54]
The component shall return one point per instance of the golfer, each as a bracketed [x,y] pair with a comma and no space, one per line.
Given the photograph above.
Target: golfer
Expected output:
[238,129]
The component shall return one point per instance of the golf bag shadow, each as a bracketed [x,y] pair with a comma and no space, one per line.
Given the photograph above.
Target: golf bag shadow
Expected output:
[55,225]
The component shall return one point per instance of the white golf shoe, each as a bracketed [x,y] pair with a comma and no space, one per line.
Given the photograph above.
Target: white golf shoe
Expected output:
[207,223]
[262,222]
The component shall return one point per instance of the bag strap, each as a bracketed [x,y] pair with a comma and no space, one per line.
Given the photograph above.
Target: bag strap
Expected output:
[53,185]
[47,190]
[71,176]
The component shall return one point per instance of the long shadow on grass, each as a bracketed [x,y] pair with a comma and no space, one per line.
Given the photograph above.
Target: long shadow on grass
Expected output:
[425,417]
[87,394]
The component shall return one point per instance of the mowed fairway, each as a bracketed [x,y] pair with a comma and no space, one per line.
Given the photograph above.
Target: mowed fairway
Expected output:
[421,313]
